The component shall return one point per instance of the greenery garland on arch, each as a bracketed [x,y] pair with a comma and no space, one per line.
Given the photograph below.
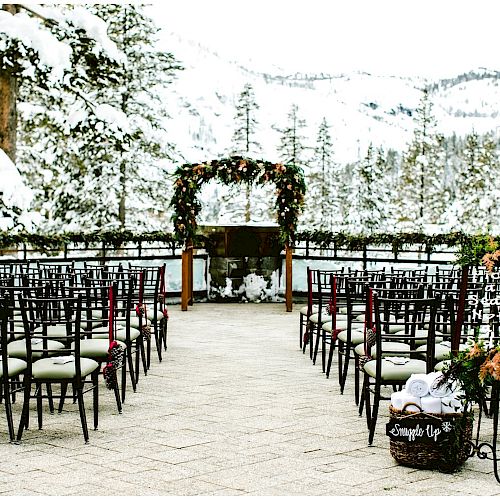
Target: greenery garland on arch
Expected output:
[289,181]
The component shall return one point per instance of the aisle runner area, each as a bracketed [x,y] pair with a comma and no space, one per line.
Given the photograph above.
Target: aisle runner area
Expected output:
[235,408]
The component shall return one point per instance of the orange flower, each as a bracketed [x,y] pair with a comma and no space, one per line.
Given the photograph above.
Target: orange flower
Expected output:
[484,370]
[474,352]
[495,362]
[490,259]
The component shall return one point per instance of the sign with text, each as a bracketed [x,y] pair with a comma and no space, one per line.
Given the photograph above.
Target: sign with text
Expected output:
[421,430]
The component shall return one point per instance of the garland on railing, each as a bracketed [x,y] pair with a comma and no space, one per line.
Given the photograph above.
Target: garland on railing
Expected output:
[53,242]
[470,248]
[289,181]
[398,241]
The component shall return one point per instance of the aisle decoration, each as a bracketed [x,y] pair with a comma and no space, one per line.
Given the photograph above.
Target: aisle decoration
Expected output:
[429,425]
[289,181]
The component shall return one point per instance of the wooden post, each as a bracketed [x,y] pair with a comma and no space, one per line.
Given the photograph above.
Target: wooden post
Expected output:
[455,339]
[288,278]
[190,279]
[187,277]
[185,280]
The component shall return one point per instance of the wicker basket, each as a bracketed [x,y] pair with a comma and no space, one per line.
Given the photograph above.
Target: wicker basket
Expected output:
[447,456]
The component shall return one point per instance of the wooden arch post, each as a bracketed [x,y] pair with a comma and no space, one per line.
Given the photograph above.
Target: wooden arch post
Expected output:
[288,278]
[187,277]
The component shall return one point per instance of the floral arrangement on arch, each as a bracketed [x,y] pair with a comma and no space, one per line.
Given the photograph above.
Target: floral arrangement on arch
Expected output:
[289,181]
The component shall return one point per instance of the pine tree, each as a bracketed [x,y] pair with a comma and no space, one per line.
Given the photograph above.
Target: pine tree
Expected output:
[366,208]
[101,151]
[322,203]
[292,142]
[474,207]
[421,179]
[244,144]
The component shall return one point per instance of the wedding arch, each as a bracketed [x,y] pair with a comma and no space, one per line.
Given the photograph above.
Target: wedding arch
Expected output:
[290,190]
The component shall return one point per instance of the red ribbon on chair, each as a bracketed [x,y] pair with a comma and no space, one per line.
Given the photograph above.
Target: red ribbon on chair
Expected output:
[163,291]
[111,318]
[140,308]
[335,331]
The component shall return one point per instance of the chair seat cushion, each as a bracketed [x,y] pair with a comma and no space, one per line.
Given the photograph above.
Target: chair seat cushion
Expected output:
[327,327]
[53,331]
[46,368]
[121,334]
[357,336]
[442,351]
[394,347]
[357,309]
[14,367]
[392,372]
[17,348]
[303,310]
[95,348]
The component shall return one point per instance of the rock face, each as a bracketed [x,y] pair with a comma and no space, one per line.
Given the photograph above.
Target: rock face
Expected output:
[239,250]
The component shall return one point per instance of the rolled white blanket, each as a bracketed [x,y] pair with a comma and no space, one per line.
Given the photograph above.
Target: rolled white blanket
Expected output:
[418,385]
[409,398]
[431,404]
[438,388]
[452,404]
[397,400]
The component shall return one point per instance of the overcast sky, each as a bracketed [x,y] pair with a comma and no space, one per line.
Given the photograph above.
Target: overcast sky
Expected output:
[408,37]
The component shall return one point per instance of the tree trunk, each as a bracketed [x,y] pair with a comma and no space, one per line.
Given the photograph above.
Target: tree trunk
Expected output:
[8,105]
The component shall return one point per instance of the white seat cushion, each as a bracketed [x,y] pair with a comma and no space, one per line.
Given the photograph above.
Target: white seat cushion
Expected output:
[395,347]
[14,367]
[53,331]
[46,368]
[17,349]
[392,372]
[357,336]
[95,348]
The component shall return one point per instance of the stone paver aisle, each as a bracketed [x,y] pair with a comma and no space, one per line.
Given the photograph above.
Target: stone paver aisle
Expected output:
[234,409]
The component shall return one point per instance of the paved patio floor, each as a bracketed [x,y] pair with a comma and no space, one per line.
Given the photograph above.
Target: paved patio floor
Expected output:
[234,409]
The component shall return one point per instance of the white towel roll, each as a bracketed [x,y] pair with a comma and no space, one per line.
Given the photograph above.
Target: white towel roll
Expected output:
[431,404]
[397,400]
[452,404]
[438,388]
[409,398]
[418,385]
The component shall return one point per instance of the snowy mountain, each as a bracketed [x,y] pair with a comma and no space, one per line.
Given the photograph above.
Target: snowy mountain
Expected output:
[360,107]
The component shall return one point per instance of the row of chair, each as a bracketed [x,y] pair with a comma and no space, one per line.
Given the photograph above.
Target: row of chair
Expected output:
[373,318]
[62,327]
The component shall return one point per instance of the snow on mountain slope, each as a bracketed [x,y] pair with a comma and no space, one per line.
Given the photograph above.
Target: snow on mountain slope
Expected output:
[360,107]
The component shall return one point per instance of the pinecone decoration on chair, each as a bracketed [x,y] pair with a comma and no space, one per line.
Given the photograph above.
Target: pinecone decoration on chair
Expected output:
[109,373]
[146,332]
[140,310]
[371,337]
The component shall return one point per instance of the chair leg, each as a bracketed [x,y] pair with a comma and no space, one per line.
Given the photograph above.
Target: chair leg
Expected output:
[157,335]
[39,408]
[347,358]
[124,375]
[323,350]
[316,344]
[49,398]
[8,408]
[95,399]
[330,358]
[23,423]
[142,350]
[306,336]
[362,400]
[131,370]
[81,409]
[64,390]
[148,352]
[356,379]
[368,409]
[373,423]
